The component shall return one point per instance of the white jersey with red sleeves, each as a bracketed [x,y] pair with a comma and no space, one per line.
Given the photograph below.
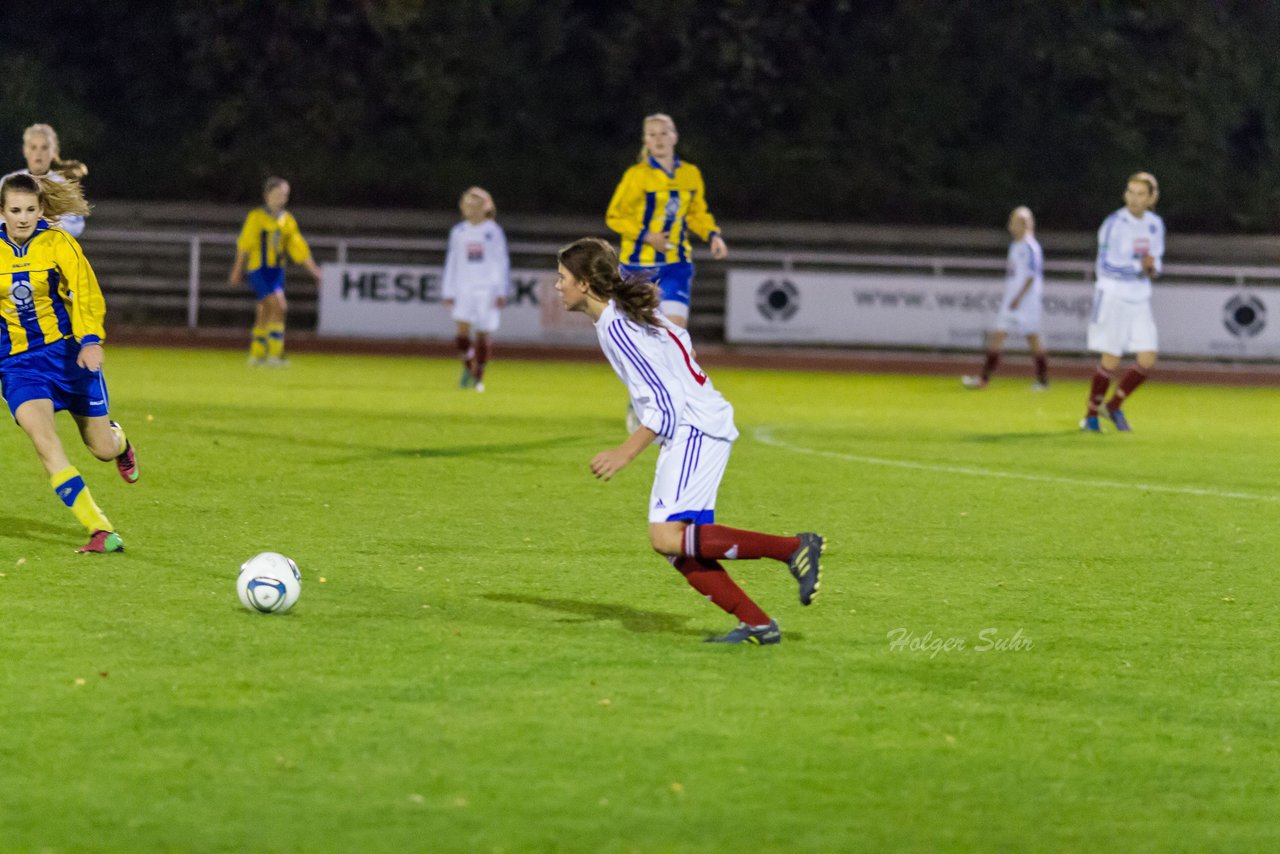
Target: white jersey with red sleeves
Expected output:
[1123,241]
[668,389]
[477,261]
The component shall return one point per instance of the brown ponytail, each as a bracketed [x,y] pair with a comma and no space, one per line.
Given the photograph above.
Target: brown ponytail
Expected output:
[593,261]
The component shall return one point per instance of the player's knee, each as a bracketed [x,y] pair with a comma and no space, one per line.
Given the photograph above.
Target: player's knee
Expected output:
[1146,361]
[666,539]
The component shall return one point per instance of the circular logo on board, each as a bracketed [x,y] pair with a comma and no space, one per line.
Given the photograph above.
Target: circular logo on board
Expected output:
[1244,315]
[777,299]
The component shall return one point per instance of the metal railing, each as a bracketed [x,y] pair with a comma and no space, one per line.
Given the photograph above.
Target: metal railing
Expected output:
[343,249]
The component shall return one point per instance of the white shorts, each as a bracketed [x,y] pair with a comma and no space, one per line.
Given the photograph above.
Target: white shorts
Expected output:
[478,308]
[688,476]
[1118,327]
[1025,320]
[674,308]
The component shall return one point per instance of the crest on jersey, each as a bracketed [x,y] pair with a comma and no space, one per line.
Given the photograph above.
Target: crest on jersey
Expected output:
[22,296]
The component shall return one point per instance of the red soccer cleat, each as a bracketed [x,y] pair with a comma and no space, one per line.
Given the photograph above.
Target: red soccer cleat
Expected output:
[102,542]
[127,462]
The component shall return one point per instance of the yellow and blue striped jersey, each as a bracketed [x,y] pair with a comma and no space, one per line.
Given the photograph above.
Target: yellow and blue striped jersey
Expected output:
[651,200]
[48,292]
[267,239]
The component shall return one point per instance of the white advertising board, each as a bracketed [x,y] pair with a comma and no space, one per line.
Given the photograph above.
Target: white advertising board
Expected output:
[394,301]
[779,307]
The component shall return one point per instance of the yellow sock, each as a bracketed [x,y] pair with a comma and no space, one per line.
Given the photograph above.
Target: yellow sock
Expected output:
[258,345]
[71,489]
[275,340]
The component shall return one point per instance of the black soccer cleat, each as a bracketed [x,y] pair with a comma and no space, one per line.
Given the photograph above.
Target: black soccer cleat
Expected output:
[805,565]
[758,635]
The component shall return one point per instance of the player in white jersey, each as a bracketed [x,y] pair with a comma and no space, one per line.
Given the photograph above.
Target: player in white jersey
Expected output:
[477,281]
[40,149]
[679,408]
[1020,306]
[1130,255]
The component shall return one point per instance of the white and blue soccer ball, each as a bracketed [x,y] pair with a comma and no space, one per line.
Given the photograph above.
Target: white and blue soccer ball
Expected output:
[269,583]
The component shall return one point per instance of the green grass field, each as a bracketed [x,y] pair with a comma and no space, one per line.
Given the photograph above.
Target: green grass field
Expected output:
[486,656]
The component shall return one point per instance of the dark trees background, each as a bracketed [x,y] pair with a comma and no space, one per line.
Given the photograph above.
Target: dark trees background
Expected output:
[934,111]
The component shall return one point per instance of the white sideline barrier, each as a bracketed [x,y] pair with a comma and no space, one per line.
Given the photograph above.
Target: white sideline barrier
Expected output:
[952,312]
[404,301]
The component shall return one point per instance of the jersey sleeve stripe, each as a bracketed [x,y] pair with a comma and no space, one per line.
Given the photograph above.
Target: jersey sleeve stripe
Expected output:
[628,348]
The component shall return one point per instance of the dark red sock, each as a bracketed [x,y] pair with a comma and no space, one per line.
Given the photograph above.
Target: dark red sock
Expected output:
[463,343]
[716,542]
[989,366]
[1132,378]
[710,579]
[1098,390]
[1042,368]
[484,349]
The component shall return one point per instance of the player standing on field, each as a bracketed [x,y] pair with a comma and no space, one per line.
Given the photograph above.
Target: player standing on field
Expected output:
[1130,256]
[1020,308]
[477,282]
[678,407]
[656,204]
[269,238]
[51,336]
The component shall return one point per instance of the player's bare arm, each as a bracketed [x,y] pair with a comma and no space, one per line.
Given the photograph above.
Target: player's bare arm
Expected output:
[1026,286]
[236,277]
[606,464]
[1149,266]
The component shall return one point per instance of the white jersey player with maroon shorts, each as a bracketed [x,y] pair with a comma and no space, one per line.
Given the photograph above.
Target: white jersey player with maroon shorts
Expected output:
[477,282]
[1130,256]
[679,408]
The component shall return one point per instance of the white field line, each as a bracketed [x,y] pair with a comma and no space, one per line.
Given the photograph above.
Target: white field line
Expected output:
[765,436]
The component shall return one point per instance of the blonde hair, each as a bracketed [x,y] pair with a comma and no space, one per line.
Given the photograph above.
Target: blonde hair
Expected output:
[1024,213]
[55,197]
[1152,184]
[594,261]
[490,209]
[72,170]
[271,183]
[654,117]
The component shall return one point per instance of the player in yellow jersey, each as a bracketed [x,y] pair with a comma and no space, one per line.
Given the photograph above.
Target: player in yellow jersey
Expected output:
[51,334]
[658,203]
[270,237]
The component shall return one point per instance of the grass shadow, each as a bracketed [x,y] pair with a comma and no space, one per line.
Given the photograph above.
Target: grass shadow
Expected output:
[632,619]
[990,438]
[19,528]
[373,452]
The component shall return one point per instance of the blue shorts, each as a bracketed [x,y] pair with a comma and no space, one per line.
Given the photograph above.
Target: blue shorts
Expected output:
[674,280]
[51,373]
[265,281]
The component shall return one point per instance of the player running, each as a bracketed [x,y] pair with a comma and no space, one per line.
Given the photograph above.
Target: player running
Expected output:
[270,236]
[679,408]
[1130,256]
[1020,307]
[51,334]
[477,282]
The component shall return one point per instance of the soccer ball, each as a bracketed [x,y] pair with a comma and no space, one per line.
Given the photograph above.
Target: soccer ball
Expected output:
[269,583]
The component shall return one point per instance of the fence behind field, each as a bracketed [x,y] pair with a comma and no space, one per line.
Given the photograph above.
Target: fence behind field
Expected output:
[164,264]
